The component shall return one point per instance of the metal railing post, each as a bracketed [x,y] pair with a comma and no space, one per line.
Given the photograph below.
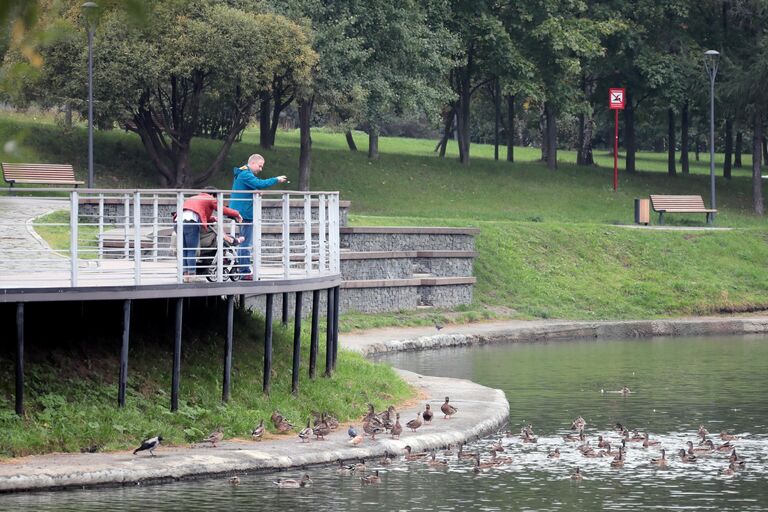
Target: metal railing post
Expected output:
[256,236]
[73,221]
[321,233]
[137,238]
[286,235]
[308,233]
[101,226]
[179,237]
[219,238]
[126,226]
[155,226]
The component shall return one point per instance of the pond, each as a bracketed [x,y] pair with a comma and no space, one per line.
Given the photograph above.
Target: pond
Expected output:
[676,385]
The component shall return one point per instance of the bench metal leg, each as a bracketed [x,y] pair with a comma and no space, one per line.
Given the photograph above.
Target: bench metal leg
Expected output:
[710,218]
[661,218]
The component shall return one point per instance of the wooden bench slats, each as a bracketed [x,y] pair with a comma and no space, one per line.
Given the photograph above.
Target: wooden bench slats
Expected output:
[40,174]
[679,204]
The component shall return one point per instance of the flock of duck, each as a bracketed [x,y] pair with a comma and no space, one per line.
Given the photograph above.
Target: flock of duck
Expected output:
[388,421]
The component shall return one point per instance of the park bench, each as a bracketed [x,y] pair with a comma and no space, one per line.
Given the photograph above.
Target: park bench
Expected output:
[680,204]
[39,174]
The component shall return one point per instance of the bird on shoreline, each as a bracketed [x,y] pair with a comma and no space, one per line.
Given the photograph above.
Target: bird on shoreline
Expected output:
[427,414]
[306,433]
[214,437]
[258,432]
[414,423]
[149,444]
[448,409]
[397,428]
[352,432]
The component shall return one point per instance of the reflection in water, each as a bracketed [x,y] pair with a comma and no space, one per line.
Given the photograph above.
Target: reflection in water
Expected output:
[677,385]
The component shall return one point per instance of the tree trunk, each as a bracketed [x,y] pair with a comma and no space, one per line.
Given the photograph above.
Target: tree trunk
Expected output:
[684,125]
[728,148]
[629,135]
[447,131]
[757,179]
[462,122]
[510,128]
[765,149]
[697,146]
[586,126]
[265,129]
[551,136]
[737,152]
[671,144]
[497,109]
[305,155]
[68,116]
[543,131]
[350,140]
[373,144]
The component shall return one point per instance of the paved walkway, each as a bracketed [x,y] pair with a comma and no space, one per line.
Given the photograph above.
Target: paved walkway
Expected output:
[19,244]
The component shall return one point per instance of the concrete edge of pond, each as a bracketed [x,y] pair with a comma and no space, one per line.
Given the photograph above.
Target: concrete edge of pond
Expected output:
[426,338]
[481,410]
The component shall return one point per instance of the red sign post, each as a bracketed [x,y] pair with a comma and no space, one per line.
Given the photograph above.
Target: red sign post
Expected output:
[616,102]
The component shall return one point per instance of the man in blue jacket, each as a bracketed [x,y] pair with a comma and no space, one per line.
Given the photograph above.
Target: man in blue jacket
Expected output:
[245,179]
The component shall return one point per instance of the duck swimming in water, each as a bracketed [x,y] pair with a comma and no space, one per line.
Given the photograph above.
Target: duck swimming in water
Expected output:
[661,461]
[293,484]
[577,475]
[647,442]
[685,457]
[371,479]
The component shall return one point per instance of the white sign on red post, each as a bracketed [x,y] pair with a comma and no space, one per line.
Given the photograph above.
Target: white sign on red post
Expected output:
[616,102]
[616,99]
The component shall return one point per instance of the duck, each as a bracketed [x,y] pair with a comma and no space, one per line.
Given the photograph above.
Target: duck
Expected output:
[619,428]
[352,432]
[427,414]
[497,447]
[606,451]
[465,455]
[284,426]
[371,479]
[636,437]
[276,418]
[702,432]
[414,423]
[685,457]
[387,418]
[348,469]
[725,447]
[386,460]
[331,422]
[410,455]
[660,461]
[647,442]
[577,475]
[578,424]
[618,461]
[570,438]
[554,454]
[448,451]
[433,462]
[528,438]
[258,432]
[235,480]
[289,483]
[700,450]
[500,461]
[736,459]
[214,437]
[321,430]
[448,409]
[306,433]
[480,466]
[372,428]
[625,390]
[397,428]
[729,471]
[601,443]
[725,436]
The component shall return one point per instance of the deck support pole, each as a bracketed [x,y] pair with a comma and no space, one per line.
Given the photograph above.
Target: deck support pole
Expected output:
[285,308]
[314,334]
[335,326]
[296,344]
[20,358]
[123,379]
[228,348]
[329,333]
[268,344]
[176,376]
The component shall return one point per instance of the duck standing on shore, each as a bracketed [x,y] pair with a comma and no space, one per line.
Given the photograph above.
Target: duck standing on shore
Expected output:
[258,432]
[427,414]
[397,428]
[306,433]
[414,423]
[214,437]
[448,409]
[149,444]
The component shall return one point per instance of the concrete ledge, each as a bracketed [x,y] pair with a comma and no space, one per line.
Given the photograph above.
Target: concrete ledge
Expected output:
[373,255]
[481,410]
[394,340]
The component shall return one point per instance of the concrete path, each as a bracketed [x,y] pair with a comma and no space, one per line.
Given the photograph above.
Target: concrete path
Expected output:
[19,244]
[481,410]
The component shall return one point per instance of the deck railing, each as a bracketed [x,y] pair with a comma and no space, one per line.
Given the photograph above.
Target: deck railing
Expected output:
[104,237]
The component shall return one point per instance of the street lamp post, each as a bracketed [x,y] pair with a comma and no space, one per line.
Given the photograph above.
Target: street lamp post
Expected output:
[711,59]
[88,8]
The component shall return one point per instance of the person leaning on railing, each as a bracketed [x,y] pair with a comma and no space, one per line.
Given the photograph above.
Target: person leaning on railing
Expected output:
[245,179]
[197,212]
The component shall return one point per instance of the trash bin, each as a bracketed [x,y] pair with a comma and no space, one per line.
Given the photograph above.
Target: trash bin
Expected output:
[642,211]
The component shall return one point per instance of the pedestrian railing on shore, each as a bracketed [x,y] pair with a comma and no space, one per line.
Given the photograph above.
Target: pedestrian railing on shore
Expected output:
[114,237]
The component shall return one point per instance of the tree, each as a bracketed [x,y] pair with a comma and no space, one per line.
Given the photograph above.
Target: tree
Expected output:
[155,79]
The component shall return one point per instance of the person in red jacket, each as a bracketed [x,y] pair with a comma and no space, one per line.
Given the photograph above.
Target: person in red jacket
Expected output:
[197,212]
